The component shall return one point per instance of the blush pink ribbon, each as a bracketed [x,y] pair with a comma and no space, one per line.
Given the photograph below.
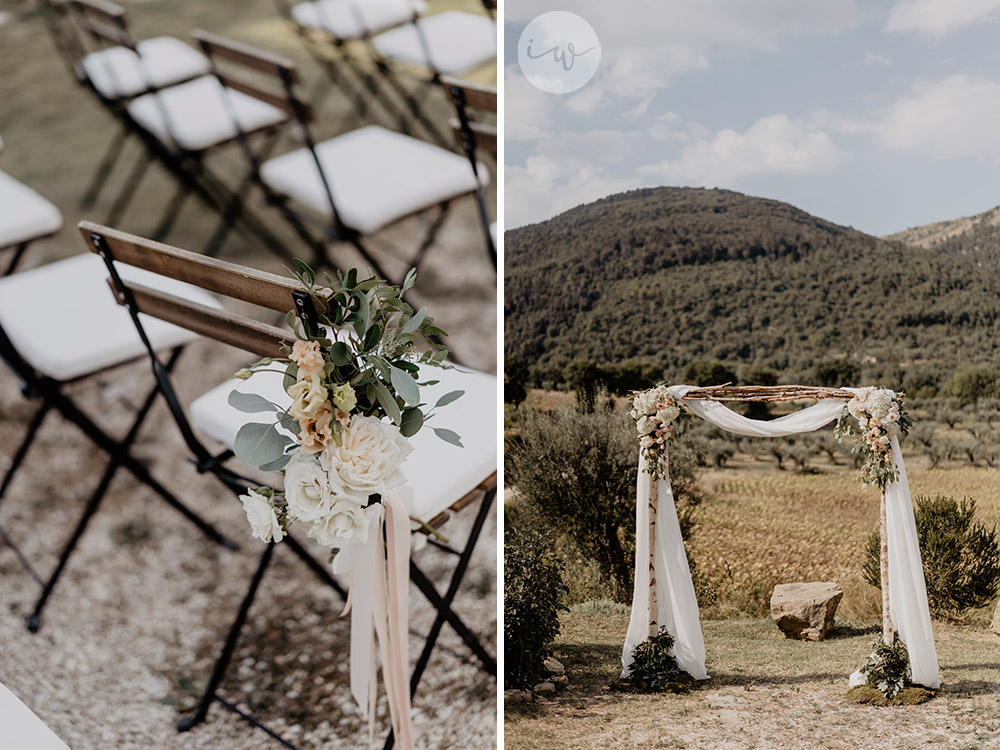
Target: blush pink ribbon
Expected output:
[378,603]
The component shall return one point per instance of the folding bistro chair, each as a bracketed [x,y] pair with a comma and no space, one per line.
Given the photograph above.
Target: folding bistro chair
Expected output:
[25,216]
[355,184]
[58,327]
[475,136]
[119,72]
[328,30]
[443,478]
[180,125]
[452,43]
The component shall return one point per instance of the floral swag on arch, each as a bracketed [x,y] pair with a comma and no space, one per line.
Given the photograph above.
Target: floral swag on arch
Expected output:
[664,595]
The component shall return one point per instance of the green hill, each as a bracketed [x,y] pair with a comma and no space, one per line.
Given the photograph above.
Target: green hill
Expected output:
[677,274]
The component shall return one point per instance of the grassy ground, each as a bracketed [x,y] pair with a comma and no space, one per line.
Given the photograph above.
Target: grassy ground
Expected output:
[765,691]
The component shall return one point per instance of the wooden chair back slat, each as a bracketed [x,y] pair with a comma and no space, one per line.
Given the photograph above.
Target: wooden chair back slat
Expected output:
[484,136]
[250,87]
[251,57]
[239,331]
[475,96]
[107,11]
[238,282]
[116,36]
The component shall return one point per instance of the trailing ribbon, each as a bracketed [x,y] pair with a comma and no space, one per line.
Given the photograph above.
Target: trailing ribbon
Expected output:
[378,603]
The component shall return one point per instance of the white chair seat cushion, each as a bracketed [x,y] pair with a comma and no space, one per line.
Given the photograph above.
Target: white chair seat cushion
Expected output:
[198,115]
[356,19]
[119,73]
[24,214]
[376,176]
[65,322]
[20,728]
[437,472]
[457,42]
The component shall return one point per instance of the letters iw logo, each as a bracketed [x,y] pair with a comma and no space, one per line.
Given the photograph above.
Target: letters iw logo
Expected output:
[558,52]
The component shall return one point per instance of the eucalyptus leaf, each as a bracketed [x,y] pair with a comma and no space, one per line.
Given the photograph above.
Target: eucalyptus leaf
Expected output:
[251,403]
[415,321]
[449,436]
[307,273]
[258,444]
[413,420]
[341,354]
[387,402]
[278,464]
[405,385]
[291,375]
[449,398]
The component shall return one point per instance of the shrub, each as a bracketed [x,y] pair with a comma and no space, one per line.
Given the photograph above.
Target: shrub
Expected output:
[654,668]
[577,473]
[834,373]
[973,382]
[961,558]
[585,377]
[703,372]
[533,587]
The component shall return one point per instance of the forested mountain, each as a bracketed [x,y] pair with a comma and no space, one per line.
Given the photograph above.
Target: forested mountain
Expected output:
[677,274]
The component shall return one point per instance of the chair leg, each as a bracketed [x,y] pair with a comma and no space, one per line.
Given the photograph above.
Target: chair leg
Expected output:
[22,450]
[129,188]
[484,217]
[115,148]
[413,105]
[446,601]
[18,254]
[169,217]
[222,664]
[431,235]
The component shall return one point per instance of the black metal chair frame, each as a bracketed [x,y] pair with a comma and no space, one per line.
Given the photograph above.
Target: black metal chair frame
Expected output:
[333,231]
[469,135]
[205,461]
[106,25]
[37,386]
[332,54]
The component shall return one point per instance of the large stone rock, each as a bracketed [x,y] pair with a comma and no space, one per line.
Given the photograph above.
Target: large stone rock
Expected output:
[995,625]
[805,610]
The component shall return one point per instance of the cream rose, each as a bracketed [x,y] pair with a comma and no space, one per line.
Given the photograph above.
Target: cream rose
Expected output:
[347,523]
[367,460]
[307,491]
[262,517]
[308,395]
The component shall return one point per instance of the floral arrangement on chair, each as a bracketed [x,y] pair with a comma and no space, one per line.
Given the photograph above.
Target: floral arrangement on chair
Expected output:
[654,411]
[353,379]
[880,417]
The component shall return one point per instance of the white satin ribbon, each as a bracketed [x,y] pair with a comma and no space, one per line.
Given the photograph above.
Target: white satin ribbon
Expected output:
[378,603]
[676,602]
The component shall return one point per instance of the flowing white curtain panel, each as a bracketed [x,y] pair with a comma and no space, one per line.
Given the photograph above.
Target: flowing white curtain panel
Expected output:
[676,602]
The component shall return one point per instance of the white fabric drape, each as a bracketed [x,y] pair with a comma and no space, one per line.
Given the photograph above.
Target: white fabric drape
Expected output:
[676,602]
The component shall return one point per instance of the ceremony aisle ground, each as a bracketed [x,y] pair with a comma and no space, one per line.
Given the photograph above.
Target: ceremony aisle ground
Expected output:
[766,692]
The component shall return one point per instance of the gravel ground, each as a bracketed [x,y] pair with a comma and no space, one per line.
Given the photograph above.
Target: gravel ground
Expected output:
[136,621]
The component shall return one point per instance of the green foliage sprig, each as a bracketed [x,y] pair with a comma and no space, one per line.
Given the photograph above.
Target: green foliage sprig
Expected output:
[654,668]
[887,669]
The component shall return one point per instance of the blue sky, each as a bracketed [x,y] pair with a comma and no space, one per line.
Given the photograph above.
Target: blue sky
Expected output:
[879,115]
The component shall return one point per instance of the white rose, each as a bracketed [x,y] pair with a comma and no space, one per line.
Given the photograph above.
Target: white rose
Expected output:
[263,520]
[347,523]
[367,460]
[645,425]
[307,488]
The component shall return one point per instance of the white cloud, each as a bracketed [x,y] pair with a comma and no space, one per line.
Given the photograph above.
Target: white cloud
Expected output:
[938,17]
[528,112]
[875,59]
[544,187]
[956,117]
[645,46]
[772,145]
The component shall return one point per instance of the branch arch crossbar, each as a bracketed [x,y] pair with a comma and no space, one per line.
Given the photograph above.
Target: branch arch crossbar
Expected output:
[664,595]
